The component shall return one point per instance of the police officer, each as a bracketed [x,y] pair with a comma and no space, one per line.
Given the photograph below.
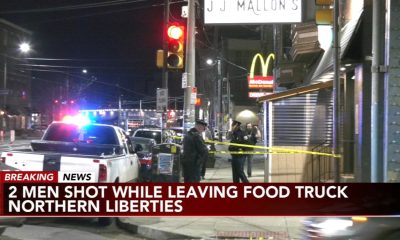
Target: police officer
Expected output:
[195,152]
[238,136]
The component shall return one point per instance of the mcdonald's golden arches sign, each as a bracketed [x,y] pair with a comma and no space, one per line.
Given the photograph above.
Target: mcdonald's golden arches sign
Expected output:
[264,81]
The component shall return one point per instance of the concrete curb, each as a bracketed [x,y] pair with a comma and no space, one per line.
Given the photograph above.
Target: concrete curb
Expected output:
[149,232]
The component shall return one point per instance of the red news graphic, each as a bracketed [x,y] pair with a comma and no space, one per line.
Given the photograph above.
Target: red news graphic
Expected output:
[29,177]
[21,197]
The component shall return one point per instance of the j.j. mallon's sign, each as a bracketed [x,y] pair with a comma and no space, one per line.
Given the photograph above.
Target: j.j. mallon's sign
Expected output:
[252,11]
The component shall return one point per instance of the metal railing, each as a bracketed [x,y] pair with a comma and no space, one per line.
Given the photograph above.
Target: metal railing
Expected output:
[322,166]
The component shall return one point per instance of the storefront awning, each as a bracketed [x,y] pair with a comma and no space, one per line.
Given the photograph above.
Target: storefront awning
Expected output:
[323,74]
[347,33]
[296,91]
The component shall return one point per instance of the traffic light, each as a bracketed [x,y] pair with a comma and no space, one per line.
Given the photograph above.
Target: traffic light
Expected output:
[324,12]
[176,40]
[160,58]
[198,102]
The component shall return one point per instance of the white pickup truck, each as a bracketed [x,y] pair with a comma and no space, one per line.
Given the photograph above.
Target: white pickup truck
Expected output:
[104,150]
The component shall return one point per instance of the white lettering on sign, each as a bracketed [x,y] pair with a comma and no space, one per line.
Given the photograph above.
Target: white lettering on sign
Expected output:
[261,81]
[252,11]
[258,94]
[76,177]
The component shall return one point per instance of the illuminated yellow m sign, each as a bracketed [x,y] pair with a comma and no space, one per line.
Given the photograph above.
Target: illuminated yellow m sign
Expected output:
[263,81]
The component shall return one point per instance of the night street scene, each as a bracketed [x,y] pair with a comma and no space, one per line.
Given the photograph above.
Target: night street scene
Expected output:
[117,87]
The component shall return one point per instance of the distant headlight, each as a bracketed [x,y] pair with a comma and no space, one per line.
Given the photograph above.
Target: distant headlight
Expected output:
[331,226]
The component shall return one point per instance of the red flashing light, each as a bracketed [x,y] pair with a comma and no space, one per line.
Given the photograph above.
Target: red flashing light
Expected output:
[175,32]
[56,101]
[171,114]
[72,102]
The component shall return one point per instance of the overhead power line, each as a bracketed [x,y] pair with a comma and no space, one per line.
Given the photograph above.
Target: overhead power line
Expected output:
[74,7]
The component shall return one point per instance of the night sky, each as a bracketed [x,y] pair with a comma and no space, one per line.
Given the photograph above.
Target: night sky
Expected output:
[116,43]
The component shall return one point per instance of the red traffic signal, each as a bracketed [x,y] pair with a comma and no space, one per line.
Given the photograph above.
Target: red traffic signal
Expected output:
[176,40]
[175,32]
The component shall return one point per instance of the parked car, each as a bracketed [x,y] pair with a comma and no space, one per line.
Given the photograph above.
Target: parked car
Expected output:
[152,133]
[340,228]
[144,148]
[37,127]
[156,134]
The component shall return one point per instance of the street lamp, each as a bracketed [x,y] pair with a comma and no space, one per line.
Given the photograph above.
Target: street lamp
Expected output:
[218,113]
[210,61]
[24,48]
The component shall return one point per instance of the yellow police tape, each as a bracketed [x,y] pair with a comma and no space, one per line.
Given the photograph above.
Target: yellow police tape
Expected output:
[271,150]
[246,152]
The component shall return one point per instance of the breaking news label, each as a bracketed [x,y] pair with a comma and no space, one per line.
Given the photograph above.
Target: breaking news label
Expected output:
[78,194]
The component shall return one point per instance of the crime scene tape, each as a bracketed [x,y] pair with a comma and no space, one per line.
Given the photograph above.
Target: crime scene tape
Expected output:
[246,152]
[272,150]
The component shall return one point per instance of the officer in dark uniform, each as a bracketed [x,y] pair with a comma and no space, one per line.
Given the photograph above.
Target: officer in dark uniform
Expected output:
[195,152]
[238,136]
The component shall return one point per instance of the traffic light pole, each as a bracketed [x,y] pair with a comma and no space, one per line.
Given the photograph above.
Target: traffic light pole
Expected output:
[165,45]
[189,106]
[336,90]
[164,69]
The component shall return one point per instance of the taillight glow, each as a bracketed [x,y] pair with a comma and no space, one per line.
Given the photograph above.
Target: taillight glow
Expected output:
[102,173]
[145,161]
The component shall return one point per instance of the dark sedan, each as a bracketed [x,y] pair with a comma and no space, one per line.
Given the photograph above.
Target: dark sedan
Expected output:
[143,148]
[365,228]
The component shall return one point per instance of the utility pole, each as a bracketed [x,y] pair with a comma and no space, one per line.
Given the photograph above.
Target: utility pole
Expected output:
[5,41]
[379,70]
[189,107]
[220,102]
[5,84]
[165,53]
[119,109]
[336,89]
[165,45]
[67,88]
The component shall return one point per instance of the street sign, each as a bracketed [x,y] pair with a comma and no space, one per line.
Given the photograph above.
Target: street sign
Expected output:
[4,91]
[184,80]
[193,96]
[184,12]
[162,99]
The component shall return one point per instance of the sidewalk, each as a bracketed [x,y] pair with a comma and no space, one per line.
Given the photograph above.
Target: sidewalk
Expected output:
[217,227]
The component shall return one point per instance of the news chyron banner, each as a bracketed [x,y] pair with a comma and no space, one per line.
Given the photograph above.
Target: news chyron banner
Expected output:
[76,194]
